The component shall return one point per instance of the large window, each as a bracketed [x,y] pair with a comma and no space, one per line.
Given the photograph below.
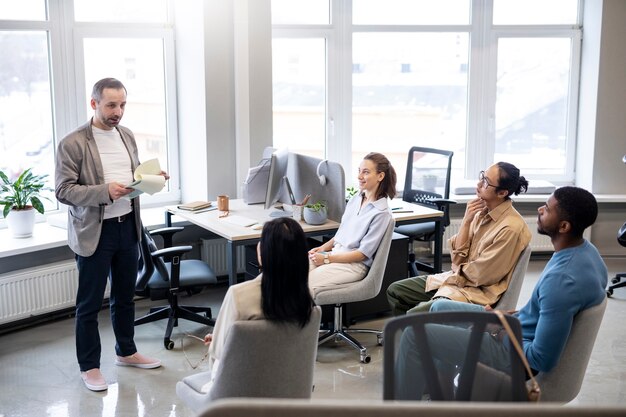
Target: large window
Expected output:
[488,79]
[48,68]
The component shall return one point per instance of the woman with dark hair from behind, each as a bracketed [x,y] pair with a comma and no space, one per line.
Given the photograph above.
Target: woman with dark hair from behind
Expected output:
[280,293]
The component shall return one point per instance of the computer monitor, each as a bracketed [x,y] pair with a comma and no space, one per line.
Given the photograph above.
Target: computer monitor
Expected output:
[277,177]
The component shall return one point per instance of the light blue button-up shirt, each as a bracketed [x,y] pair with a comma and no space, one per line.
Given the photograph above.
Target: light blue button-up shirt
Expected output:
[362,228]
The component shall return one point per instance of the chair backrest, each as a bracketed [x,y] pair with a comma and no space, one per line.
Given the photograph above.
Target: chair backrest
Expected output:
[563,383]
[621,235]
[148,264]
[369,286]
[428,176]
[359,407]
[266,359]
[449,373]
[508,301]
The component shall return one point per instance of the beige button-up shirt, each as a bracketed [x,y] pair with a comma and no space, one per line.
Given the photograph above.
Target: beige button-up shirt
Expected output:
[482,267]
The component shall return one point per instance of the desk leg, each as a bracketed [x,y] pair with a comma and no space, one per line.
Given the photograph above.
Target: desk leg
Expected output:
[437,262]
[231,261]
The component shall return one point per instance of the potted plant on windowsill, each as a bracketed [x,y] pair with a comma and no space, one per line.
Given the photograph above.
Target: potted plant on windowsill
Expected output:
[20,199]
[316,213]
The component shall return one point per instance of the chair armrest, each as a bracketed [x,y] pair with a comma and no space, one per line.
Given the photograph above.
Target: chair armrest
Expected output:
[173,251]
[167,234]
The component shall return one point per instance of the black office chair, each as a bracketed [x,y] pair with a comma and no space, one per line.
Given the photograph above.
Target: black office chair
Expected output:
[427,183]
[463,377]
[160,279]
[621,239]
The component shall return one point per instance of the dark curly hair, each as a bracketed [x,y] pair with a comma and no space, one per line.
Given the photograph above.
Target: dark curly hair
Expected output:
[576,206]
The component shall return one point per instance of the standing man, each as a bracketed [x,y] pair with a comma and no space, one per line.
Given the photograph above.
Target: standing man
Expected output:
[484,252]
[93,164]
[573,280]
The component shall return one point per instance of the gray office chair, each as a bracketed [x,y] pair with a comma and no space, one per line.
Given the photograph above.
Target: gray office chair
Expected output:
[562,384]
[467,379]
[508,301]
[160,279]
[261,359]
[427,182]
[365,289]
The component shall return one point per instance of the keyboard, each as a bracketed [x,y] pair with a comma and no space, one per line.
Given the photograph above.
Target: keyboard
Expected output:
[239,220]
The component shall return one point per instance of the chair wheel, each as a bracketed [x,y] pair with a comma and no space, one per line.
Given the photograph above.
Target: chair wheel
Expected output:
[379,339]
[609,292]
[169,344]
[615,280]
[366,358]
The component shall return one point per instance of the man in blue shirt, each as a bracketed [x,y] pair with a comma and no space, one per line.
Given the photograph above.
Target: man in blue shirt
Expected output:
[573,280]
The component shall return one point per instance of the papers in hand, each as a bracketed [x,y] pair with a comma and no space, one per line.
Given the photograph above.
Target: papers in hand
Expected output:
[148,179]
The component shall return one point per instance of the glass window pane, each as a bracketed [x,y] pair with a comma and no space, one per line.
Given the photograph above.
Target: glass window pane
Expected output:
[409,89]
[138,63]
[300,12]
[26,130]
[535,12]
[299,94]
[23,10]
[411,12]
[120,10]
[532,103]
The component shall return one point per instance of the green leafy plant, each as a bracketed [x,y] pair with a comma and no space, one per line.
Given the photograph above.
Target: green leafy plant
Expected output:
[320,205]
[22,193]
[351,191]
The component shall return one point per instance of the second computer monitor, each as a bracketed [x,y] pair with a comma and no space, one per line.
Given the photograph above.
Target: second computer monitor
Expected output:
[278,171]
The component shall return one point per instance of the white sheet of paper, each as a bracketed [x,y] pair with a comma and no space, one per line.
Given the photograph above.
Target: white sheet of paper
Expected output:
[147,179]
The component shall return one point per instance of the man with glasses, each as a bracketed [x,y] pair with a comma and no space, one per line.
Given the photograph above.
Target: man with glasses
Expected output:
[484,252]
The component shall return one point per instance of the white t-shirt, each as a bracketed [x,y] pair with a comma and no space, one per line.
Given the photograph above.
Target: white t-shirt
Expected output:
[117,167]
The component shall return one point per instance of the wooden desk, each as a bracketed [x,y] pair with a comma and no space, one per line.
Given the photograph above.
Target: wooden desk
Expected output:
[240,236]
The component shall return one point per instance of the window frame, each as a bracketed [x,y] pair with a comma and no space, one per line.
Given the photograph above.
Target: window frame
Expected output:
[483,38]
[67,79]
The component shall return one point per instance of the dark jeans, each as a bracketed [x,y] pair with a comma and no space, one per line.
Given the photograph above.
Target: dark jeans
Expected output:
[117,257]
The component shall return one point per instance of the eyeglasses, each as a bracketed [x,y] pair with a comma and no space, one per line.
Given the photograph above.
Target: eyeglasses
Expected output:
[484,181]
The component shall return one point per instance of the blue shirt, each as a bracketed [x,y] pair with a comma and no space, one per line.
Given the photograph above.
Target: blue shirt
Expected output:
[362,228]
[573,280]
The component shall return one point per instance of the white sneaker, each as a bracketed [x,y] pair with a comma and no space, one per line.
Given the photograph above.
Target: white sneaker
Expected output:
[94,380]
[138,361]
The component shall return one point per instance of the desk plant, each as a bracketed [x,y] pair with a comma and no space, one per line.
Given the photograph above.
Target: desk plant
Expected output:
[316,213]
[20,199]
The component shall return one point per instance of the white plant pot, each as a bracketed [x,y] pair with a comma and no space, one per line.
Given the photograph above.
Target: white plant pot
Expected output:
[21,222]
[315,217]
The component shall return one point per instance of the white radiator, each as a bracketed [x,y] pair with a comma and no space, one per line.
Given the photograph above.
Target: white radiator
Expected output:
[538,243]
[213,252]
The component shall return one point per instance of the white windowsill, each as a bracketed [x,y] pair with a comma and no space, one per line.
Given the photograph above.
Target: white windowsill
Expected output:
[45,236]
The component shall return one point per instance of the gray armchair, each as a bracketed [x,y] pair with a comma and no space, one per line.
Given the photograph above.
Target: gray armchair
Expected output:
[365,289]
[261,359]
[508,301]
[562,384]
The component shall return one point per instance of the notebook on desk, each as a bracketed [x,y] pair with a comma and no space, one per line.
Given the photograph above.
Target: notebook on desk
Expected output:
[239,220]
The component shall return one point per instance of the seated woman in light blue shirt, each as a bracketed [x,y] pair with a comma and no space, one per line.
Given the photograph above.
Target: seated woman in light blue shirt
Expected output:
[348,256]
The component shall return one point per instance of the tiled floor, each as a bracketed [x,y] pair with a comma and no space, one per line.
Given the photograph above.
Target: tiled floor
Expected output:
[39,375]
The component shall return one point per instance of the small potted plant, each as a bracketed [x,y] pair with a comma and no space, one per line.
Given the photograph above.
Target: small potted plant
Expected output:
[316,213]
[20,199]
[351,191]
